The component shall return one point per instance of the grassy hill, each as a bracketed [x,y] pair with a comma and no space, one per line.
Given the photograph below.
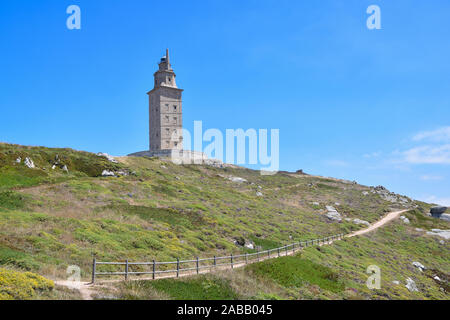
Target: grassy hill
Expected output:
[64,212]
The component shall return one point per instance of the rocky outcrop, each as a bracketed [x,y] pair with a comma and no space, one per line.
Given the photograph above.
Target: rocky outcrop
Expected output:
[332,214]
[390,196]
[359,221]
[107,156]
[107,173]
[29,163]
[411,285]
[438,210]
[237,179]
[440,233]
[404,219]
[418,265]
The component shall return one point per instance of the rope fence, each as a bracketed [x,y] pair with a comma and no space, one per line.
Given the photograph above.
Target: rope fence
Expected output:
[175,269]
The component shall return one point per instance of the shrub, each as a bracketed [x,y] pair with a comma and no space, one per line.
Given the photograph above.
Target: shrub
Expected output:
[16,285]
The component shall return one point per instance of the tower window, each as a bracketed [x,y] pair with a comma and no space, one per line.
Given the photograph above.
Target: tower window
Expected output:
[174,108]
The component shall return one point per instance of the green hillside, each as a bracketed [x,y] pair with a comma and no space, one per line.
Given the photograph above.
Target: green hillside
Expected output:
[64,212]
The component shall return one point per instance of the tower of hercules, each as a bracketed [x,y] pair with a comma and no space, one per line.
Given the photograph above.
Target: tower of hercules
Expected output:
[165,109]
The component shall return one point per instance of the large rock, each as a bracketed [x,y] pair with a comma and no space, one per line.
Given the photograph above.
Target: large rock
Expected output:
[29,163]
[418,265]
[359,221]
[411,285]
[107,173]
[107,156]
[404,219]
[237,179]
[440,233]
[332,214]
[438,210]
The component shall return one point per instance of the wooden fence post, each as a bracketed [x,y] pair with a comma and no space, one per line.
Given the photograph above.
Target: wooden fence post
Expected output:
[278,249]
[231,261]
[257,255]
[197,265]
[215,262]
[126,270]
[178,267]
[93,270]
[246,258]
[286,250]
[153,274]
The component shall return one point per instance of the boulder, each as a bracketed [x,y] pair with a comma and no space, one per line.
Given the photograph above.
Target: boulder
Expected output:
[107,173]
[65,169]
[332,214]
[411,285]
[19,160]
[404,219]
[107,156]
[418,265]
[438,210]
[359,221]
[250,245]
[29,163]
[237,179]
[259,194]
[440,233]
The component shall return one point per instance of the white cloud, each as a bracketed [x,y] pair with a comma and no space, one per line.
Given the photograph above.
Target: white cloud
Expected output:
[337,163]
[430,177]
[372,155]
[428,155]
[438,135]
[437,200]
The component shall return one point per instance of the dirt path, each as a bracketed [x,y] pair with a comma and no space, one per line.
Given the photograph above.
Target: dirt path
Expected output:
[389,217]
[86,289]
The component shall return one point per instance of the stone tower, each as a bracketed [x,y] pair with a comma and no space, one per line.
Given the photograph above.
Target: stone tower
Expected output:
[165,110]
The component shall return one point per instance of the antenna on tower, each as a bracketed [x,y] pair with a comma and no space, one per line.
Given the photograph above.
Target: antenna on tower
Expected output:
[167,57]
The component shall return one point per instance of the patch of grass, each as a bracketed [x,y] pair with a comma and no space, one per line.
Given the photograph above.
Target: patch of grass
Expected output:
[17,259]
[11,177]
[198,288]
[12,200]
[170,216]
[265,244]
[295,271]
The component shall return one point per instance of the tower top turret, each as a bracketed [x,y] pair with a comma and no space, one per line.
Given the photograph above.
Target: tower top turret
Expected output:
[164,65]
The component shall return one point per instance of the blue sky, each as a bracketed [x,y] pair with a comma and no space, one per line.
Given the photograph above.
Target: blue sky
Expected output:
[353,103]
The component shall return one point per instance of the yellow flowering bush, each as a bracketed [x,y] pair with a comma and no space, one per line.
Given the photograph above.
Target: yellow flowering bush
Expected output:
[16,285]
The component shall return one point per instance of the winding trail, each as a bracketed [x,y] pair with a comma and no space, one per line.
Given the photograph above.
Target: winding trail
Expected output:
[387,218]
[87,291]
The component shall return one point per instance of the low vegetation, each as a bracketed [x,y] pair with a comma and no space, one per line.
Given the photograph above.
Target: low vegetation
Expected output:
[63,212]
